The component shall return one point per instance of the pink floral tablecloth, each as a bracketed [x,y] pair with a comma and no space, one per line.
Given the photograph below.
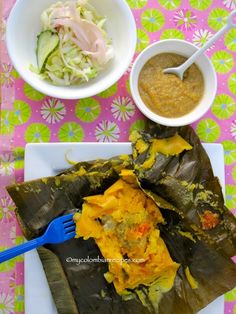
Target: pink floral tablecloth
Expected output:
[29,116]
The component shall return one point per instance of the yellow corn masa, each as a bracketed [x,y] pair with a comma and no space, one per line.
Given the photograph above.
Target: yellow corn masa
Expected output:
[170,146]
[123,221]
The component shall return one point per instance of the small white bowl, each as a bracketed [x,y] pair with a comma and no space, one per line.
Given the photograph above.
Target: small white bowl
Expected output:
[24,25]
[186,49]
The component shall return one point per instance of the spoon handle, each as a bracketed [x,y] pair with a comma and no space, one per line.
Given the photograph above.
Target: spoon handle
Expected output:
[230,23]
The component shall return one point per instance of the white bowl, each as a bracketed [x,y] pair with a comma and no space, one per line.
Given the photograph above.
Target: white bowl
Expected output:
[24,25]
[186,49]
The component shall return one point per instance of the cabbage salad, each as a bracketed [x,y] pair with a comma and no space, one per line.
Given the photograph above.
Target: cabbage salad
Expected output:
[73,45]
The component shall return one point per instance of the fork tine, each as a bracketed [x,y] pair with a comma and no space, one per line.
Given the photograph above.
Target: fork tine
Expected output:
[69,235]
[67,218]
[69,229]
[68,223]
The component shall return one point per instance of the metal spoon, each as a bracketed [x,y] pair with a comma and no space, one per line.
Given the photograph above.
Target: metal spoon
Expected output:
[179,71]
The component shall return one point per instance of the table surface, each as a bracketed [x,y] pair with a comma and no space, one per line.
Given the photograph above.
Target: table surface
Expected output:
[29,116]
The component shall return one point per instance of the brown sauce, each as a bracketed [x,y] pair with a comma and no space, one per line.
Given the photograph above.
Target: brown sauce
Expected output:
[165,94]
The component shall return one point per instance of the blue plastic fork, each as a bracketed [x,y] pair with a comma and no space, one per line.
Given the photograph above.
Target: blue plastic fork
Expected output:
[59,230]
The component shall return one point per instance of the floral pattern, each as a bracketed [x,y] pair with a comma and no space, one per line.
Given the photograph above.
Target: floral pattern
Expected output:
[230,39]
[7,125]
[223,61]
[37,133]
[233,129]
[30,116]
[142,40]
[107,131]
[53,111]
[217,18]
[137,4]
[208,130]
[19,154]
[170,4]
[31,93]
[231,295]
[6,266]
[71,132]
[19,298]
[6,164]
[152,20]
[224,106]
[185,19]
[6,303]
[200,4]
[232,83]
[21,113]
[201,36]
[6,209]
[230,4]
[230,151]
[230,196]
[6,77]
[138,125]
[172,33]
[122,108]
[87,110]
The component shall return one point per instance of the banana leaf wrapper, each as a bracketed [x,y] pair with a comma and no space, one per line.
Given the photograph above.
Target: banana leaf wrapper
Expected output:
[174,182]
[184,187]
[76,288]
[187,183]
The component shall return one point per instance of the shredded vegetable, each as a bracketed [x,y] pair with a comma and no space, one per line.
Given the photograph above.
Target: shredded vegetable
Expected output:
[84,46]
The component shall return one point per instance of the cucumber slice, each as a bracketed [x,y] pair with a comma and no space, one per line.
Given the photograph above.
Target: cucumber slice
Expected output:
[46,44]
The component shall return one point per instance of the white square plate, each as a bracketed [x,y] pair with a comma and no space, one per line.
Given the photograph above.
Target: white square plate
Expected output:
[47,160]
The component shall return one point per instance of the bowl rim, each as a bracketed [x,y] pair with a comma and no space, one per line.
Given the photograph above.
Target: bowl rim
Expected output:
[68,92]
[172,122]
